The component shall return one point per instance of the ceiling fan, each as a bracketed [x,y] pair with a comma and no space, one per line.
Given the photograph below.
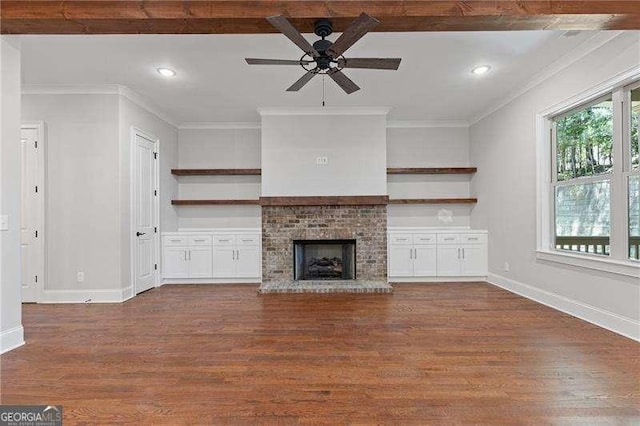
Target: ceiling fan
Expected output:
[326,57]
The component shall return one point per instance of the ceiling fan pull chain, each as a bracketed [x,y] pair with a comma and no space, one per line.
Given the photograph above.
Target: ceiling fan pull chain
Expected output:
[323,90]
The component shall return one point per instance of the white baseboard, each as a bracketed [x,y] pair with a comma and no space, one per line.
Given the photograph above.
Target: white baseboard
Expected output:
[11,339]
[86,296]
[419,280]
[211,281]
[613,322]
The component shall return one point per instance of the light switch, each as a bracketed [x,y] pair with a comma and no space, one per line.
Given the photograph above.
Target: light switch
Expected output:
[4,222]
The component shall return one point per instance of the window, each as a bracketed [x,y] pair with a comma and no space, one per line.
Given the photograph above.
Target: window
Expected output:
[594,192]
[583,141]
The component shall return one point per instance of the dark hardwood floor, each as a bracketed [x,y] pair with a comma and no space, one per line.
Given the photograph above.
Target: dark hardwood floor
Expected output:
[427,354]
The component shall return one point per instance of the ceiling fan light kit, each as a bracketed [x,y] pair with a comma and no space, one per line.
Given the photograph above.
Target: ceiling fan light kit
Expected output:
[326,57]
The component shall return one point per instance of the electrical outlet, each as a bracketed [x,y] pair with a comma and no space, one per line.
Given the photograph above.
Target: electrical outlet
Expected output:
[80,277]
[506,266]
[4,222]
[322,161]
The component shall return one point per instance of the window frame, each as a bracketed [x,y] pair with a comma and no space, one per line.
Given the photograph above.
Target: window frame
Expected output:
[618,261]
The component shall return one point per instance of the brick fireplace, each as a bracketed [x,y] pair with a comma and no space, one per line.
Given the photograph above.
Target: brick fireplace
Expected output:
[282,225]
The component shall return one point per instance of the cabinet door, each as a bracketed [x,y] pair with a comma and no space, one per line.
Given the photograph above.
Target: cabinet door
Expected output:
[474,260]
[224,263]
[400,261]
[200,262]
[424,262]
[248,262]
[174,262]
[448,261]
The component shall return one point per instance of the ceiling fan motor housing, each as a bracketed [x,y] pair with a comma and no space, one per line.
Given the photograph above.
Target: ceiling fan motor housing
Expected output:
[323,28]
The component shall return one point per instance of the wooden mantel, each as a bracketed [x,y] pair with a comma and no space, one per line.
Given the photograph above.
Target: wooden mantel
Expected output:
[245,17]
[349,200]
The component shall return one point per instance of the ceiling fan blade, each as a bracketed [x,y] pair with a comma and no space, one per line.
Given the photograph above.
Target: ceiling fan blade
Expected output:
[285,27]
[370,63]
[362,25]
[255,61]
[343,81]
[301,81]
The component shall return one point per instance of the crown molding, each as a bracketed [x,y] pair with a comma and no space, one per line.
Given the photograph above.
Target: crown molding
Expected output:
[404,124]
[220,125]
[97,89]
[324,111]
[588,46]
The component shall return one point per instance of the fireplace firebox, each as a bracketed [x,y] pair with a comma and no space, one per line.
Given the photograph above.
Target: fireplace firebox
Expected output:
[324,260]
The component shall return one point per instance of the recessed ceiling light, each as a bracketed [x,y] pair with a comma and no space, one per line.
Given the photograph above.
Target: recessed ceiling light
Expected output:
[481,69]
[166,72]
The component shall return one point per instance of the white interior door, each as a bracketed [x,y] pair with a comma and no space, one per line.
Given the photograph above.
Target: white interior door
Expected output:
[144,212]
[29,223]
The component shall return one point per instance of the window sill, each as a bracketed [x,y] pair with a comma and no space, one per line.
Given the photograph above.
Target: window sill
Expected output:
[599,263]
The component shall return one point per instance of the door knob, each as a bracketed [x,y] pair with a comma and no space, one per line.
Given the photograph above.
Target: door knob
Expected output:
[140,233]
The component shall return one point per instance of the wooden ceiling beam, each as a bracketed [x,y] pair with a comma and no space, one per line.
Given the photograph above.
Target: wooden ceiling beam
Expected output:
[247,17]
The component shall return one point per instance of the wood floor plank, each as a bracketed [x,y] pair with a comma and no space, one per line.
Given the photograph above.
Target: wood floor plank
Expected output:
[427,354]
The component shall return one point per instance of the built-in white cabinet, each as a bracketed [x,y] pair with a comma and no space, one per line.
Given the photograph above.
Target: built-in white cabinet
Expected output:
[211,255]
[237,256]
[187,256]
[442,253]
[412,255]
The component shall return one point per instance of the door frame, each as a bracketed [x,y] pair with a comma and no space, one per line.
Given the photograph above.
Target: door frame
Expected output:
[41,205]
[135,131]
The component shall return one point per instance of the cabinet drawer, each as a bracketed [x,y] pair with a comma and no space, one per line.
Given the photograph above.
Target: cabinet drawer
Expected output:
[448,238]
[473,238]
[248,240]
[424,238]
[178,240]
[200,240]
[224,240]
[401,239]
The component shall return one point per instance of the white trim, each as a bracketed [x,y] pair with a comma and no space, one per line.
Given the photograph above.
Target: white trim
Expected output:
[593,43]
[618,324]
[324,111]
[98,89]
[86,296]
[391,124]
[434,280]
[132,239]
[213,281]
[41,182]
[591,261]
[408,124]
[11,339]
[220,125]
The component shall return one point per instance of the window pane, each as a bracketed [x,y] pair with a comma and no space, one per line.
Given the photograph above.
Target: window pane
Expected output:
[634,217]
[635,128]
[584,142]
[583,217]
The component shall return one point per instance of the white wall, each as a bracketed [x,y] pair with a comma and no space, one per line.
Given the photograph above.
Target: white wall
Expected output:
[428,147]
[88,211]
[503,146]
[132,115]
[11,332]
[354,143]
[83,189]
[219,149]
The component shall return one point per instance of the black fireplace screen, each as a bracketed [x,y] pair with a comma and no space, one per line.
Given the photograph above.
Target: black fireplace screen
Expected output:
[324,259]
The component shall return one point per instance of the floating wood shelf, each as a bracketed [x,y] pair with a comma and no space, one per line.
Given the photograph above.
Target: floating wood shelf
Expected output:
[432,171]
[216,172]
[215,202]
[433,201]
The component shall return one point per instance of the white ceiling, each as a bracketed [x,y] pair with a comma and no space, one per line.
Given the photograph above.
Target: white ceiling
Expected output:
[214,84]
